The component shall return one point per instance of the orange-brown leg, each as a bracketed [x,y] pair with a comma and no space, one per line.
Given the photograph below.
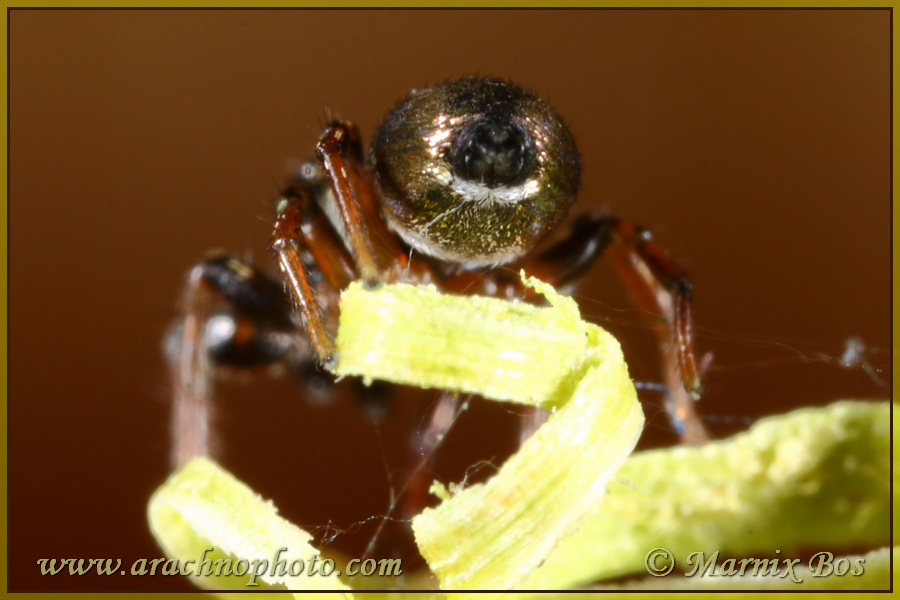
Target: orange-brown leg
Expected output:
[190,372]
[339,152]
[287,247]
[319,238]
[436,422]
[657,283]
[377,254]
[233,315]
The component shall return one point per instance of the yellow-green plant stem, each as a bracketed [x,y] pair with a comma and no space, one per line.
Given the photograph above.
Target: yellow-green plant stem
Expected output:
[203,506]
[813,479]
[493,535]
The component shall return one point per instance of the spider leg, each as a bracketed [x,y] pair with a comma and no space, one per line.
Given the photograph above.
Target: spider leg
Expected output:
[299,231]
[325,247]
[338,144]
[377,254]
[532,419]
[328,255]
[657,283]
[438,419]
[190,372]
[233,315]
[567,260]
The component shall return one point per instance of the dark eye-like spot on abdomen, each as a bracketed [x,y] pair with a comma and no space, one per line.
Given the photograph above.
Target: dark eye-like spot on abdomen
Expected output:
[495,153]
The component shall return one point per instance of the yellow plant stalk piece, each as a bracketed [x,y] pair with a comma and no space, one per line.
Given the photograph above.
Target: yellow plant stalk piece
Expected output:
[492,536]
[202,505]
[813,479]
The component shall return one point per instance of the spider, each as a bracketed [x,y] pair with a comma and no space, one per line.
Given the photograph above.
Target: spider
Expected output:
[460,178]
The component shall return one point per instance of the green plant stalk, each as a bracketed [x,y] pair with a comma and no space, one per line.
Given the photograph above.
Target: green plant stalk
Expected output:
[202,505]
[492,536]
[816,478]
[502,350]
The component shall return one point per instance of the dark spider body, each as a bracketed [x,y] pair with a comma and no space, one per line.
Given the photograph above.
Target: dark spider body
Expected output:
[474,171]
[460,177]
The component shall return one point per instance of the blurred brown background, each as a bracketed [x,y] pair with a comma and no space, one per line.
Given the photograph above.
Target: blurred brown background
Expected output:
[755,144]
